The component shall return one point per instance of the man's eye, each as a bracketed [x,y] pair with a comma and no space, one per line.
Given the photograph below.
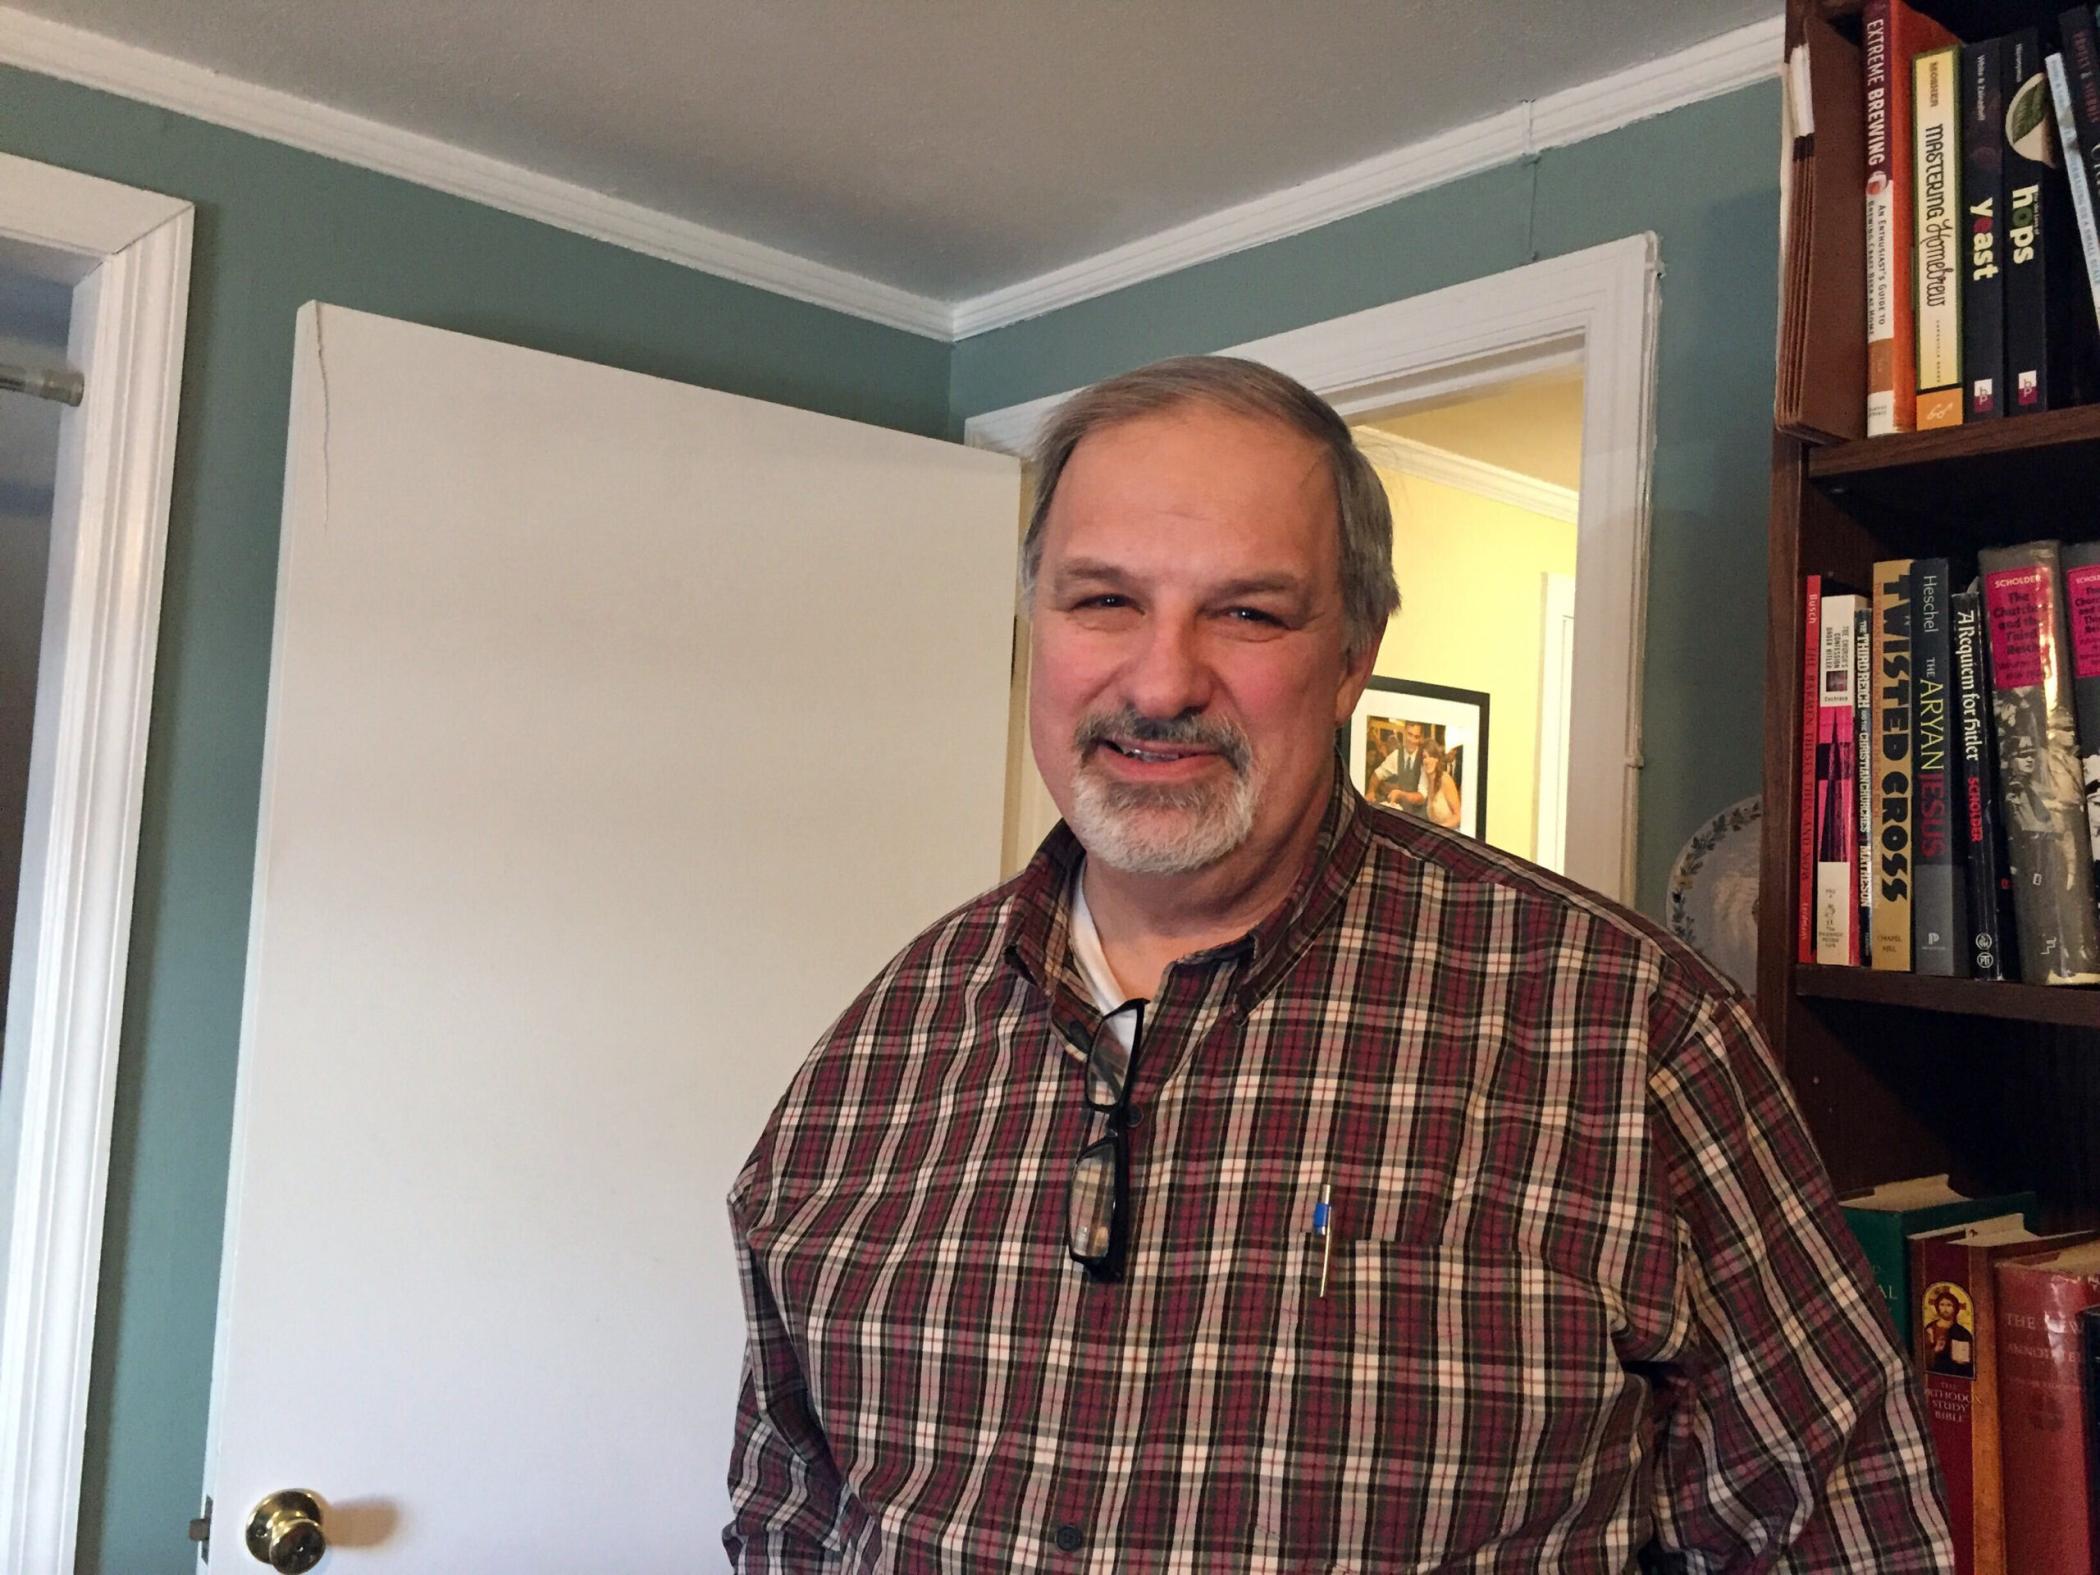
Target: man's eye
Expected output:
[1107,599]
[1251,615]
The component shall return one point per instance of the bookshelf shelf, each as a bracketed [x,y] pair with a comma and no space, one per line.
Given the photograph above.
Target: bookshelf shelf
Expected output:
[1970,470]
[1969,18]
[1903,451]
[2026,1003]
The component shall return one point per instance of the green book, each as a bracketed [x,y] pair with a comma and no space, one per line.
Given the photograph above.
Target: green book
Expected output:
[1884,1218]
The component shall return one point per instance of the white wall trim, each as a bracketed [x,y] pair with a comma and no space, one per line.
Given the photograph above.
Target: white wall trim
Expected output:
[1412,457]
[76,55]
[1720,65]
[1598,307]
[1556,704]
[87,769]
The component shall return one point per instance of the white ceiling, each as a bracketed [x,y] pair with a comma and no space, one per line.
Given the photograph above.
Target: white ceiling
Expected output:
[944,147]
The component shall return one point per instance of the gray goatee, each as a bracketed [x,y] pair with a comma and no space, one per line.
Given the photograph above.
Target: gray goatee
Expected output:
[1170,829]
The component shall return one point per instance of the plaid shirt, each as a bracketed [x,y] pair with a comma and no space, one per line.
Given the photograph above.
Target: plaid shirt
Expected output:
[1590,1300]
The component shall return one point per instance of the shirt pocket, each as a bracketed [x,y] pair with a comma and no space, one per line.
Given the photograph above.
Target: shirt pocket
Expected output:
[1447,1402]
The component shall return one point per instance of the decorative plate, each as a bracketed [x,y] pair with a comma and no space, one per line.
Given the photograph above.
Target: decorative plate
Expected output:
[1712,903]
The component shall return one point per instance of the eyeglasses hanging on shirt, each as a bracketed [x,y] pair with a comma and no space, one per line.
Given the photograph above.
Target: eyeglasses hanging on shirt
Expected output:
[1097,1200]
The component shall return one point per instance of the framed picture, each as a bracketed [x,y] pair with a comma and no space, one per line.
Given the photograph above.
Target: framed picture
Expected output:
[1422,749]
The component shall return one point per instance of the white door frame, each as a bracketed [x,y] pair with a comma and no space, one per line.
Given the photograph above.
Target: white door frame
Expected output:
[1556,712]
[1596,309]
[80,841]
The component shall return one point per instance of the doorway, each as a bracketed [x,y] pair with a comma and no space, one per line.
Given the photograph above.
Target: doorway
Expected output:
[1485,488]
[87,532]
[36,313]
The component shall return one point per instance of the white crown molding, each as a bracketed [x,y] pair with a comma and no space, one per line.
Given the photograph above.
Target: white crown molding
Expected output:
[38,44]
[1425,461]
[1720,65]
[1355,188]
[1736,59]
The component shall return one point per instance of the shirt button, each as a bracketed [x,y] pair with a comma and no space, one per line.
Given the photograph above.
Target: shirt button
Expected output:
[1070,1538]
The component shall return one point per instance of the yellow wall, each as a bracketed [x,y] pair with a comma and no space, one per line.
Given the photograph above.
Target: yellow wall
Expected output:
[1472,613]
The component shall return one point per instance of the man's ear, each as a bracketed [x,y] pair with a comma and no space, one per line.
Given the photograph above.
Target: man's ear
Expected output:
[1356,675]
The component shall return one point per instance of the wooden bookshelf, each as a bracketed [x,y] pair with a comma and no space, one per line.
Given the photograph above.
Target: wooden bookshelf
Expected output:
[1969,18]
[2020,1003]
[1952,484]
[1942,454]
[1901,1075]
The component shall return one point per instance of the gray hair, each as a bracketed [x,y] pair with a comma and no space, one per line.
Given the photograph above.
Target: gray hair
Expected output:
[1369,594]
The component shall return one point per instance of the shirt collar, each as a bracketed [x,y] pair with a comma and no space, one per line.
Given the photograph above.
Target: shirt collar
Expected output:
[1039,907]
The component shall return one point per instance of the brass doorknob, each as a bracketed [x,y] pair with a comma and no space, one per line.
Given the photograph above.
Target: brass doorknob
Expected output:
[285,1531]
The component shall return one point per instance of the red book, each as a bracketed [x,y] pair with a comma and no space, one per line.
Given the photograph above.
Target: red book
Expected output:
[1892,35]
[2041,1417]
[1837,787]
[1954,1340]
[1811,716]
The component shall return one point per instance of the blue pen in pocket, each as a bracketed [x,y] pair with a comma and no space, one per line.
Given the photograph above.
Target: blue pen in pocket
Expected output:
[1321,1211]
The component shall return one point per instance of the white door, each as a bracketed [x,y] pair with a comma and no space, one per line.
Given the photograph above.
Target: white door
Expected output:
[618,732]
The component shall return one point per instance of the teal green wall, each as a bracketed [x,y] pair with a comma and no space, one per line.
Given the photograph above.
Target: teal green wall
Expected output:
[1705,179]
[276,228]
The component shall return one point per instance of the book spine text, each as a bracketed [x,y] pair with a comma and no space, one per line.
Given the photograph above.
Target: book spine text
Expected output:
[1940,906]
[1983,203]
[1936,123]
[1892,786]
[2041,797]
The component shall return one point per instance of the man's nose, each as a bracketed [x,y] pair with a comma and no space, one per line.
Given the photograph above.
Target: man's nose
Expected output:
[1169,676]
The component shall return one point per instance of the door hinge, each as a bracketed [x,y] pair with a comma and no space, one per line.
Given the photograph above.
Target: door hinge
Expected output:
[200,1533]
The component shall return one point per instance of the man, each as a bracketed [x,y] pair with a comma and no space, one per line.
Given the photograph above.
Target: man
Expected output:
[1401,771]
[1265,1181]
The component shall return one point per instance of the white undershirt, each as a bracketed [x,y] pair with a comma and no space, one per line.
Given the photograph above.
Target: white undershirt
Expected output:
[1092,961]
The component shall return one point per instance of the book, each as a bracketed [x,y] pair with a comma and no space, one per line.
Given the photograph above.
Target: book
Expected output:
[1988,889]
[1956,1351]
[1819,392]
[2041,1408]
[1837,789]
[1863,753]
[1983,203]
[2089,1368]
[1811,722]
[2037,325]
[1939,904]
[2080,44]
[2081,562]
[1937,270]
[2072,146]
[1884,1218]
[2041,798]
[1892,34]
[1890,940]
